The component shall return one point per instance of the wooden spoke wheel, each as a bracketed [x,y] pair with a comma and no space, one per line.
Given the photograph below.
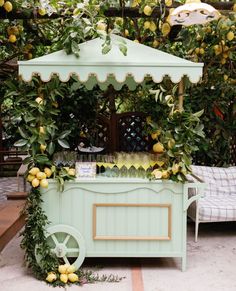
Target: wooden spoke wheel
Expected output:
[66,243]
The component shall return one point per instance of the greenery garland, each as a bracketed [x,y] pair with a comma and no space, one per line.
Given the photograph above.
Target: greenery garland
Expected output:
[34,237]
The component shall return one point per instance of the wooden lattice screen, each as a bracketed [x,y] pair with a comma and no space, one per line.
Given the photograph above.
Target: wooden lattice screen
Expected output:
[122,132]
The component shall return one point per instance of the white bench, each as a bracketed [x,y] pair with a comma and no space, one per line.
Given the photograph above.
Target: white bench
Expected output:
[219,200]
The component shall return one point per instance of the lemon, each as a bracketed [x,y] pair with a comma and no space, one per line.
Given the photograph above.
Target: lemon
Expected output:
[155,43]
[41,130]
[136,40]
[155,134]
[175,168]
[71,269]
[34,171]
[134,3]
[12,38]
[223,61]
[126,32]
[42,11]
[230,35]
[48,172]
[157,173]
[71,172]
[43,147]
[146,24]
[165,174]
[226,77]
[13,30]
[202,51]
[168,2]
[51,277]
[197,50]
[101,26]
[44,183]
[41,175]
[30,178]
[35,182]
[64,278]
[39,100]
[148,119]
[63,269]
[73,277]
[158,147]
[8,6]
[153,26]
[2,3]
[147,10]
[165,29]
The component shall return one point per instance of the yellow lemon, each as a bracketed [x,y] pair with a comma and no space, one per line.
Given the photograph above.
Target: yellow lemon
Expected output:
[157,173]
[175,168]
[34,171]
[71,269]
[165,29]
[35,182]
[42,11]
[226,77]
[51,277]
[230,35]
[41,175]
[147,10]
[136,40]
[2,3]
[165,174]
[202,51]
[39,100]
[43,147]
[64,278]
[41,130]
[234,8]
[8,6]
[71,172]
[12,38]
[73,277]
[155,43]
[126,32]
[153,26]
[63,269]
[155,134]
[146,24]
[101,26]
[197,50]
[168,2]
[44,183]
[30,178]
[223,61]
[158,147]
[48,172]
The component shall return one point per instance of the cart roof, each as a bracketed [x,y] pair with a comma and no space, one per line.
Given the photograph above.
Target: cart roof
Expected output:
[93,67]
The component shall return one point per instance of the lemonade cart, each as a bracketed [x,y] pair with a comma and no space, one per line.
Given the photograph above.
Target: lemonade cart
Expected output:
[116,217]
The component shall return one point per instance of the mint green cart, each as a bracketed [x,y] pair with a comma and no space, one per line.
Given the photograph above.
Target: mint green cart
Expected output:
[115,217]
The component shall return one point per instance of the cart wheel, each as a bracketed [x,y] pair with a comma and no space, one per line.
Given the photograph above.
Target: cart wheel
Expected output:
[66,242]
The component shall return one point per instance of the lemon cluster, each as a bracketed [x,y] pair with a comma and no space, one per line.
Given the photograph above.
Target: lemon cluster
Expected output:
[66,273]
[70,171]
[7,5]
[36,177]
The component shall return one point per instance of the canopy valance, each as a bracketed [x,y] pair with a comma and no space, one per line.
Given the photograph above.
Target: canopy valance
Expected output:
[93,67]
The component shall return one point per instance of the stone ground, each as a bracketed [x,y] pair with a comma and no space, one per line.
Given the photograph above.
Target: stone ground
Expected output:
[211,264]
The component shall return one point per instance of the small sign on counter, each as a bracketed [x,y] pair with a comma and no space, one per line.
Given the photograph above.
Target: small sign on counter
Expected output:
[85,169]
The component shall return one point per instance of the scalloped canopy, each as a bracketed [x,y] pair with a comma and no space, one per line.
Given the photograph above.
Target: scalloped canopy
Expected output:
[93,67]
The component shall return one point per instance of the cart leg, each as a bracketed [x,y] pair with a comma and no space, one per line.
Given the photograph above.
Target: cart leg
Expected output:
[184,263]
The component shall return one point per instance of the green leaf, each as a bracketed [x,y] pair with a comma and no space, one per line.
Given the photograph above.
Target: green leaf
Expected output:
[199,113]
[123,49]
[27,160]
[21,143]
[63,143]
[23,133]
[41,159]
[64,134]
[106,49]
[51,148]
